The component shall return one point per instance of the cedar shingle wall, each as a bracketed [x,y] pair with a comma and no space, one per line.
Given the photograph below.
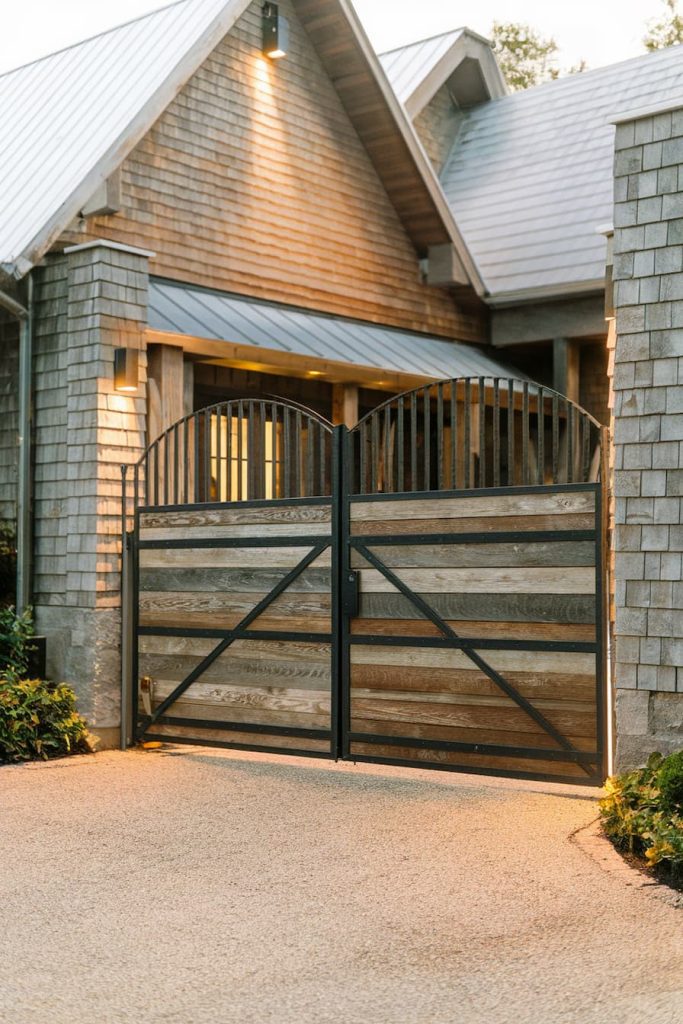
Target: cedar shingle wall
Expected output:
[254,180]
[437,125]
[9,422]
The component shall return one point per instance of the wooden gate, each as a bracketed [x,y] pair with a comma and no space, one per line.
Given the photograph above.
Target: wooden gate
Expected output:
[427,589]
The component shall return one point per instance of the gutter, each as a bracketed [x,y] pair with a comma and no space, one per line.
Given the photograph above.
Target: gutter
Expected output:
[24,314]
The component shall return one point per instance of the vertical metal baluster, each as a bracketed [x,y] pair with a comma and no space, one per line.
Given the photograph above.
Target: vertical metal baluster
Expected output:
[229,496]
[467,461]
[156,472]
[482,432]
[454,435]
[374,452]
[186,462]
[261,468]
[322,441]
[287,462]
[197,467]
[556,435]
[310,460]
[541,436]
[218,456]
[136,489]
[413,442]
[176,463]
[439,438]
[207,453]
[298,454]
[570,442]
[387,450]
[252,453]
[525,434]
[167,459]
[511,432]
[273,451]
[585,448]
[360,486]
[427,436]
[240,449]
[496,432]
[400,442]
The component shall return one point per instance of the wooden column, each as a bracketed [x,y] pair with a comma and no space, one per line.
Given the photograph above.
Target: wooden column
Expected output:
[345,404]
[566,368]
[166,402]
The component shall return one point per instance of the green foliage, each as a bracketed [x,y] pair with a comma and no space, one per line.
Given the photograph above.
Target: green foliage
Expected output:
[643,812]
[39,719]
[668,31]
[8,562]
[525,58]
[15,643]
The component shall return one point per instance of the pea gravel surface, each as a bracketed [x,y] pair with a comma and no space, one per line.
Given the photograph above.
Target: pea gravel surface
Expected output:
[183,885]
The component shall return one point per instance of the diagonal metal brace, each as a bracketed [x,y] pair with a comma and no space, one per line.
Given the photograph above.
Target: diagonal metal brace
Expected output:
[495,676]
[238,632]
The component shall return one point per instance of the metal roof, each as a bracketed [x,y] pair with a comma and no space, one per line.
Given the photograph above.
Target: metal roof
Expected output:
[214,315]
[529,177]
[68,120]
[407,66]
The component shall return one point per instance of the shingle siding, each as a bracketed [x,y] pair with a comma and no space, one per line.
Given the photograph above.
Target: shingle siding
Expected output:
[648,435]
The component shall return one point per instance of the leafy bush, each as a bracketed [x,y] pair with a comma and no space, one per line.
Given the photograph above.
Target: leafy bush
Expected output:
[15,643]
[643,812]
[39,719]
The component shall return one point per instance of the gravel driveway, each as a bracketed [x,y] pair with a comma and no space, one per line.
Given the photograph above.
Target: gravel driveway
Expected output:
[190,886]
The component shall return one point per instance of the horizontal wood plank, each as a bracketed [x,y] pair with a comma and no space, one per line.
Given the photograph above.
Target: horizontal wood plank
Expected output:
[315,531]
[509,763]
[454,556]
[240,649]
[386,526]
[483,630]
[245,739]
[271,518]
[529,684]
[547,503]
[260,672]
[229,558]
[501,661]
[539,607]
[561,580]
[454,734]
[232,581]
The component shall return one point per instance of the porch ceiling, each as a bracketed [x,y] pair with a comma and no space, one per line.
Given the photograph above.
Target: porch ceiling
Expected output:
[237,330]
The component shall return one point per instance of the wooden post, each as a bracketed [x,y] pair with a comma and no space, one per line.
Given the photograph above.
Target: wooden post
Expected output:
[345,405]
[166,391]
[566,368]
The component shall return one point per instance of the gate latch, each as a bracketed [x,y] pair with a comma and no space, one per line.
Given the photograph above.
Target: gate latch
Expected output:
[350,593]
[147,694]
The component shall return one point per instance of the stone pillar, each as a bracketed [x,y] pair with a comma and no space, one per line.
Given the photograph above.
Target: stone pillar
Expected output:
[648,434]
[105,309]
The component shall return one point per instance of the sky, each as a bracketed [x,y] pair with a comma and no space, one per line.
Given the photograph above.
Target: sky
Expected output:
[597,31]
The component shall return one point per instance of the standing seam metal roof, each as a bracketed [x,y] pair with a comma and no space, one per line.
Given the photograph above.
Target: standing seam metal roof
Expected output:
[530,176]
[409,65]
[218,316]
[103,83]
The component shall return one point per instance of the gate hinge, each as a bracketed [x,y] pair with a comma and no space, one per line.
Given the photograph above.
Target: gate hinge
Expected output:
[147,694]
[350,593]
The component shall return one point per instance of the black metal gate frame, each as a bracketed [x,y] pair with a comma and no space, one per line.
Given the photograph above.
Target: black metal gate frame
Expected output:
[143,725]
[344,598]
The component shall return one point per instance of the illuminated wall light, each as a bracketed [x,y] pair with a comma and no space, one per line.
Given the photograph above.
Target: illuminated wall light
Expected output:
[125,369]
[275,32]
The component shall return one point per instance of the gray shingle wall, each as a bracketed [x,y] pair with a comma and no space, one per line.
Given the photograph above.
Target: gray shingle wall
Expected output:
[91,302]
[648,434]
[9,391]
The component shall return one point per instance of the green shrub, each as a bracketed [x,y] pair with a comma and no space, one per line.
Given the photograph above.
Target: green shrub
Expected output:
[39,719]
[15,643]
[643,812]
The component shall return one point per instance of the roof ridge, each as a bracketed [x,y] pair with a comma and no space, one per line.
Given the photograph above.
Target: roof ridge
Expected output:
[427,39]
[96,35]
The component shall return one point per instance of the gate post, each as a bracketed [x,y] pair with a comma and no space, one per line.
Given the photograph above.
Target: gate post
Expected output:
[126,731]
[339,444]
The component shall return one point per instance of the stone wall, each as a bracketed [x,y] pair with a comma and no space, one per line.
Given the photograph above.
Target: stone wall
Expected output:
[89,302]
[648,435]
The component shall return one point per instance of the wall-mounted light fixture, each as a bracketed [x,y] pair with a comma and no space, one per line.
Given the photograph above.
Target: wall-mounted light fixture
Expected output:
[125,369]
[275,32]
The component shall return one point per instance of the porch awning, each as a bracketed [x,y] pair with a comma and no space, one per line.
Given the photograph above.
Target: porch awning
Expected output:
[219,316]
